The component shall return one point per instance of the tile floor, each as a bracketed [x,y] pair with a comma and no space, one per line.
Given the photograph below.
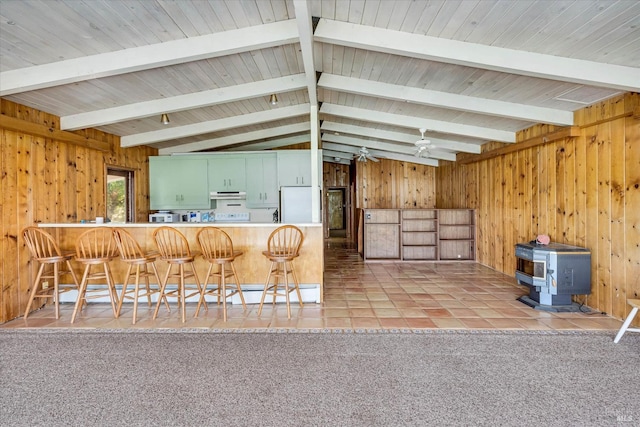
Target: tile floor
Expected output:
[359,295]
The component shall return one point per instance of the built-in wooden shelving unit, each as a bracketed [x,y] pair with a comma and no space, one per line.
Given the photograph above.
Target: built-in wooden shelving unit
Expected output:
[419,234]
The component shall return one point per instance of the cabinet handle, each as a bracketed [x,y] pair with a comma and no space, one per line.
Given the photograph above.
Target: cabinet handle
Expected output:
[302,179]
[265,197]
[229,182]
[297,180]
[177,199]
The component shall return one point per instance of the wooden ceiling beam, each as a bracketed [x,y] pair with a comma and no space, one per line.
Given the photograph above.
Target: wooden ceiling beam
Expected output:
[305,31]
[451,101]
[343,128]
[237,138]
[172,104]
[379,153]
[478,55]
[418,122]
[385,146]
[211,126]
[147,57]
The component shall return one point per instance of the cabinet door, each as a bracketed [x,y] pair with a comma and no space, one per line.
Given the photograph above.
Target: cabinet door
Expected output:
[270,181]
[294,168]
[382,241]
[262,185]
[227,174]
[178,183]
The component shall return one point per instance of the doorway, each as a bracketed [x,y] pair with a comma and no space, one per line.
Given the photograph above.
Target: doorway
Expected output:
[337,212]
[119,194]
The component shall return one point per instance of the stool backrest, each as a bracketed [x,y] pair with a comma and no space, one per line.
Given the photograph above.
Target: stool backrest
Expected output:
[215,243]
[97,243]
[127,245]
[171,243]
[40,243]
[285,241]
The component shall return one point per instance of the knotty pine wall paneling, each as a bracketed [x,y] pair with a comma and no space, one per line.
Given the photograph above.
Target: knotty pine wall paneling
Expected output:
[47,180]
[390,184]
[582,191]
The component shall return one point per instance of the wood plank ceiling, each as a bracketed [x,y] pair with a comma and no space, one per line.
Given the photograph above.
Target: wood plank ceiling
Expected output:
[366,73]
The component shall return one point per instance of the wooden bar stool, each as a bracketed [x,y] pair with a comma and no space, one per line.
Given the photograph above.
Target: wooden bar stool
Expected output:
[174,250]
[135,257]
[46,252]
[217,249]
[283,246]
[96,248]
[635,303]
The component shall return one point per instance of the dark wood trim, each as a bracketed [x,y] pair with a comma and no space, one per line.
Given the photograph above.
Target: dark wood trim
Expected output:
[17,125]
[567,132]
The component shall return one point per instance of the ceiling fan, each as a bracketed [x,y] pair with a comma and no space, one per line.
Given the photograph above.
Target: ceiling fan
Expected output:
[363,155]
[423,146]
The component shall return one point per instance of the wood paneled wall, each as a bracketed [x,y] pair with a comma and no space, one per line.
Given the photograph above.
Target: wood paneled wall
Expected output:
[583,191]
[335,175]
[45,180]
[390,184]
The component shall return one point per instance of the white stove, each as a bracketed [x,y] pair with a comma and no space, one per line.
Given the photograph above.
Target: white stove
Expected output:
[231,217]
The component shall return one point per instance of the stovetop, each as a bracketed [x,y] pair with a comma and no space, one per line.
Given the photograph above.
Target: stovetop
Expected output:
[231,217]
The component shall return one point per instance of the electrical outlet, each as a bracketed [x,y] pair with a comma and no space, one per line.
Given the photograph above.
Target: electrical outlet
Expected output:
[45,285]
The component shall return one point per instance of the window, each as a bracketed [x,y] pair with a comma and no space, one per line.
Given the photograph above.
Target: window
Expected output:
[119,194]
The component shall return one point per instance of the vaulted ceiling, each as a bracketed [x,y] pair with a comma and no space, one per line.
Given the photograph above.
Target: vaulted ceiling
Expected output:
[362,73]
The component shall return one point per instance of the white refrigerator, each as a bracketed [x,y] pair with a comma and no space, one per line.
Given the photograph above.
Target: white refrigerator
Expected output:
[295,204]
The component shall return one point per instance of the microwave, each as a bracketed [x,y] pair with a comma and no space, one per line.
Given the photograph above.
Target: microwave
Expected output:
[164,217]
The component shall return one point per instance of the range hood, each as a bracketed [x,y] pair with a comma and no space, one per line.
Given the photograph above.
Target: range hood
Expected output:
[228,195]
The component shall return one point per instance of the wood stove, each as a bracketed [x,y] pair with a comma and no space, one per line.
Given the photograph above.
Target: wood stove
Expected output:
[554,273]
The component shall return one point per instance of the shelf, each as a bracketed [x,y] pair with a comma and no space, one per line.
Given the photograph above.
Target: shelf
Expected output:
[418,253]
[422,234]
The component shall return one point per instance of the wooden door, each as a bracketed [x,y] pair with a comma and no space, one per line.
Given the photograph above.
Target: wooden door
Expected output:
[335,201]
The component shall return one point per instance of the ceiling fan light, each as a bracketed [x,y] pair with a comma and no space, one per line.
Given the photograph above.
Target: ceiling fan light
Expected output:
[164,119]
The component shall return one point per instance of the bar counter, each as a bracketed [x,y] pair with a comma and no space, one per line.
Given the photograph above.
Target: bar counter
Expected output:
[250,238]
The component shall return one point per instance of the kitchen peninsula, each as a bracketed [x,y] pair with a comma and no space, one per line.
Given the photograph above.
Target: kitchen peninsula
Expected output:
[250,238]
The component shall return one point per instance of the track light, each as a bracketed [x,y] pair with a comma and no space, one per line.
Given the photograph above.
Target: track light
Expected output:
[273,99]
[164,119]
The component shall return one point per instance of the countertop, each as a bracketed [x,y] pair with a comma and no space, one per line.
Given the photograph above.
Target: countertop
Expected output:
[171,224]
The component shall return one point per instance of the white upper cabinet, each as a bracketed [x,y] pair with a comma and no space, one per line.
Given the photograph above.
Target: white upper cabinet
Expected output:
[294,168]
[262,181]
[227,173]
[178,183]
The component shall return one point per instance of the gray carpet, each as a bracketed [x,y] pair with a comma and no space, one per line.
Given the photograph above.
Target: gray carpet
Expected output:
[85,378]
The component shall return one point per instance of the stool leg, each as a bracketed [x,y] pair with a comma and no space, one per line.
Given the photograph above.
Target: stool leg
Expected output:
[222,291]
[112,290]
[266,287]
[204,290]
[125,284]
[159,283]
[56,288]
[626,324]
[136,295]
[235,275]
[181,295]
[163,285]
[36,284]
[81,292]
[286,288]
[297,282]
